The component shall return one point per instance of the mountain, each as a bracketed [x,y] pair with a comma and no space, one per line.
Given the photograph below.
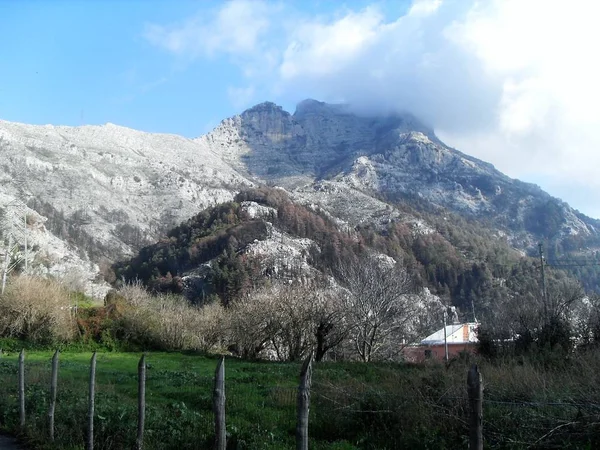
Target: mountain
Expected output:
[395,158]
[105,192]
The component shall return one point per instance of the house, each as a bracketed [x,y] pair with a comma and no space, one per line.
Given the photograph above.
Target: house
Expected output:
[461,337]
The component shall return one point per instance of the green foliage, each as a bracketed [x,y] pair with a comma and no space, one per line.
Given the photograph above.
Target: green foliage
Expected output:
[460,259]
[213,232]
[221,233]
[353,405]
[545,219]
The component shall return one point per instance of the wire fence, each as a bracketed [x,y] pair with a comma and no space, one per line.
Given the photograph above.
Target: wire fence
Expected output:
[178,404]
[365,414]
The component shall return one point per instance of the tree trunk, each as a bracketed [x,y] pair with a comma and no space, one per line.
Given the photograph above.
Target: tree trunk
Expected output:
[321,348]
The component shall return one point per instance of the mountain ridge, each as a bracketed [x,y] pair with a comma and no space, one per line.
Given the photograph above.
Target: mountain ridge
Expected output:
[274,146]
[131,186]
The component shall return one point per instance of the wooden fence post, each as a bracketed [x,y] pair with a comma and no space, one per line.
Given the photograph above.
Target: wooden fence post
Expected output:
[53,388]
[303,404]
[141,402]
[475,390]
[22,388]
[219,406]
[91,404]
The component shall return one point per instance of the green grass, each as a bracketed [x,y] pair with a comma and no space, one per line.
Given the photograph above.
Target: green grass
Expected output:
[353,405]
[260,399]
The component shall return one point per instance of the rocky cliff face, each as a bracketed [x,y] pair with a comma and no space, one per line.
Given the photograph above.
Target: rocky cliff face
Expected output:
[104,191]
[326,148]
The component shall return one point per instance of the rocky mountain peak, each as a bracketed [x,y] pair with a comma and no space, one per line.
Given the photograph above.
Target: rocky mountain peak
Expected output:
[265,107]
[392,154]
[310,106]
[108,190]
[267,118]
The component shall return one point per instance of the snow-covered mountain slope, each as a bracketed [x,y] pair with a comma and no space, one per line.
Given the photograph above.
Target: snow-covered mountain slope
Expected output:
[325,148]
[105,191]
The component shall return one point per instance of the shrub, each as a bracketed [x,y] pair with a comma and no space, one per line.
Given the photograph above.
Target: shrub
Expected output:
[36,310]
[165,321]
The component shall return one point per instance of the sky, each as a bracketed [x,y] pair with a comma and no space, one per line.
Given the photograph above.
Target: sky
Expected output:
[513,82]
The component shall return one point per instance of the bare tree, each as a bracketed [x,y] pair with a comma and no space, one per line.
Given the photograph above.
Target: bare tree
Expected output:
[290,319]
[36,309]
[562,299]
[169,321]
[378,306]
[310,315]
[332,327]
[526,317]
[291,322]
[250,324]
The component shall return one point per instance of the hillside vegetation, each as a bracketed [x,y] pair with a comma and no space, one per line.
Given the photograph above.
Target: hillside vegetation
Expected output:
[457,259]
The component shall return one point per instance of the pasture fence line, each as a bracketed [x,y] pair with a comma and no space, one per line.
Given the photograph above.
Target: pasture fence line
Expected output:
[475,390]
[139,442]
[303,405]
[22,389]
[218,409]
[91,403]
[219,406]
[33,385]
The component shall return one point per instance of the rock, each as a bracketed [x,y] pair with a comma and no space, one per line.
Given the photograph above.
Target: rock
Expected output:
[100,193]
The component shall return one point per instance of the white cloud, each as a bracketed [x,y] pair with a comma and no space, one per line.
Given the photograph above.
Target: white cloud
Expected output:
[424,7]
[236,29]
[514,82]
[241,97]
[331,45]
[151,85]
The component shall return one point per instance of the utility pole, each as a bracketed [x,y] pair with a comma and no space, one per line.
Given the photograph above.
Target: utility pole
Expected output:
[445,335]
[544,292]
[25,238]
[6,262]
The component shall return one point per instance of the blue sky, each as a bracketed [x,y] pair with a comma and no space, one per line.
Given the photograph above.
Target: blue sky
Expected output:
[87,62]
[509,81]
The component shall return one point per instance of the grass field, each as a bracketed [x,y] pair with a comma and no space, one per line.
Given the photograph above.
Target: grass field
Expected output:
[260,399]
[354,406]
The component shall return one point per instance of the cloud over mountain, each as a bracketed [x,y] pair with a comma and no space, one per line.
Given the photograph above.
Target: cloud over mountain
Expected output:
[510,81]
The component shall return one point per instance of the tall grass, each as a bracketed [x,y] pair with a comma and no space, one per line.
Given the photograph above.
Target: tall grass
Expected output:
[37,310]
[167,322]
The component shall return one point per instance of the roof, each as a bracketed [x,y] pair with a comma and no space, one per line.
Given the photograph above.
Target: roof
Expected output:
[462,333]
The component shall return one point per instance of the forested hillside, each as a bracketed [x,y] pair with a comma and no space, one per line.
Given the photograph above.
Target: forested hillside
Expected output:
[455,258]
